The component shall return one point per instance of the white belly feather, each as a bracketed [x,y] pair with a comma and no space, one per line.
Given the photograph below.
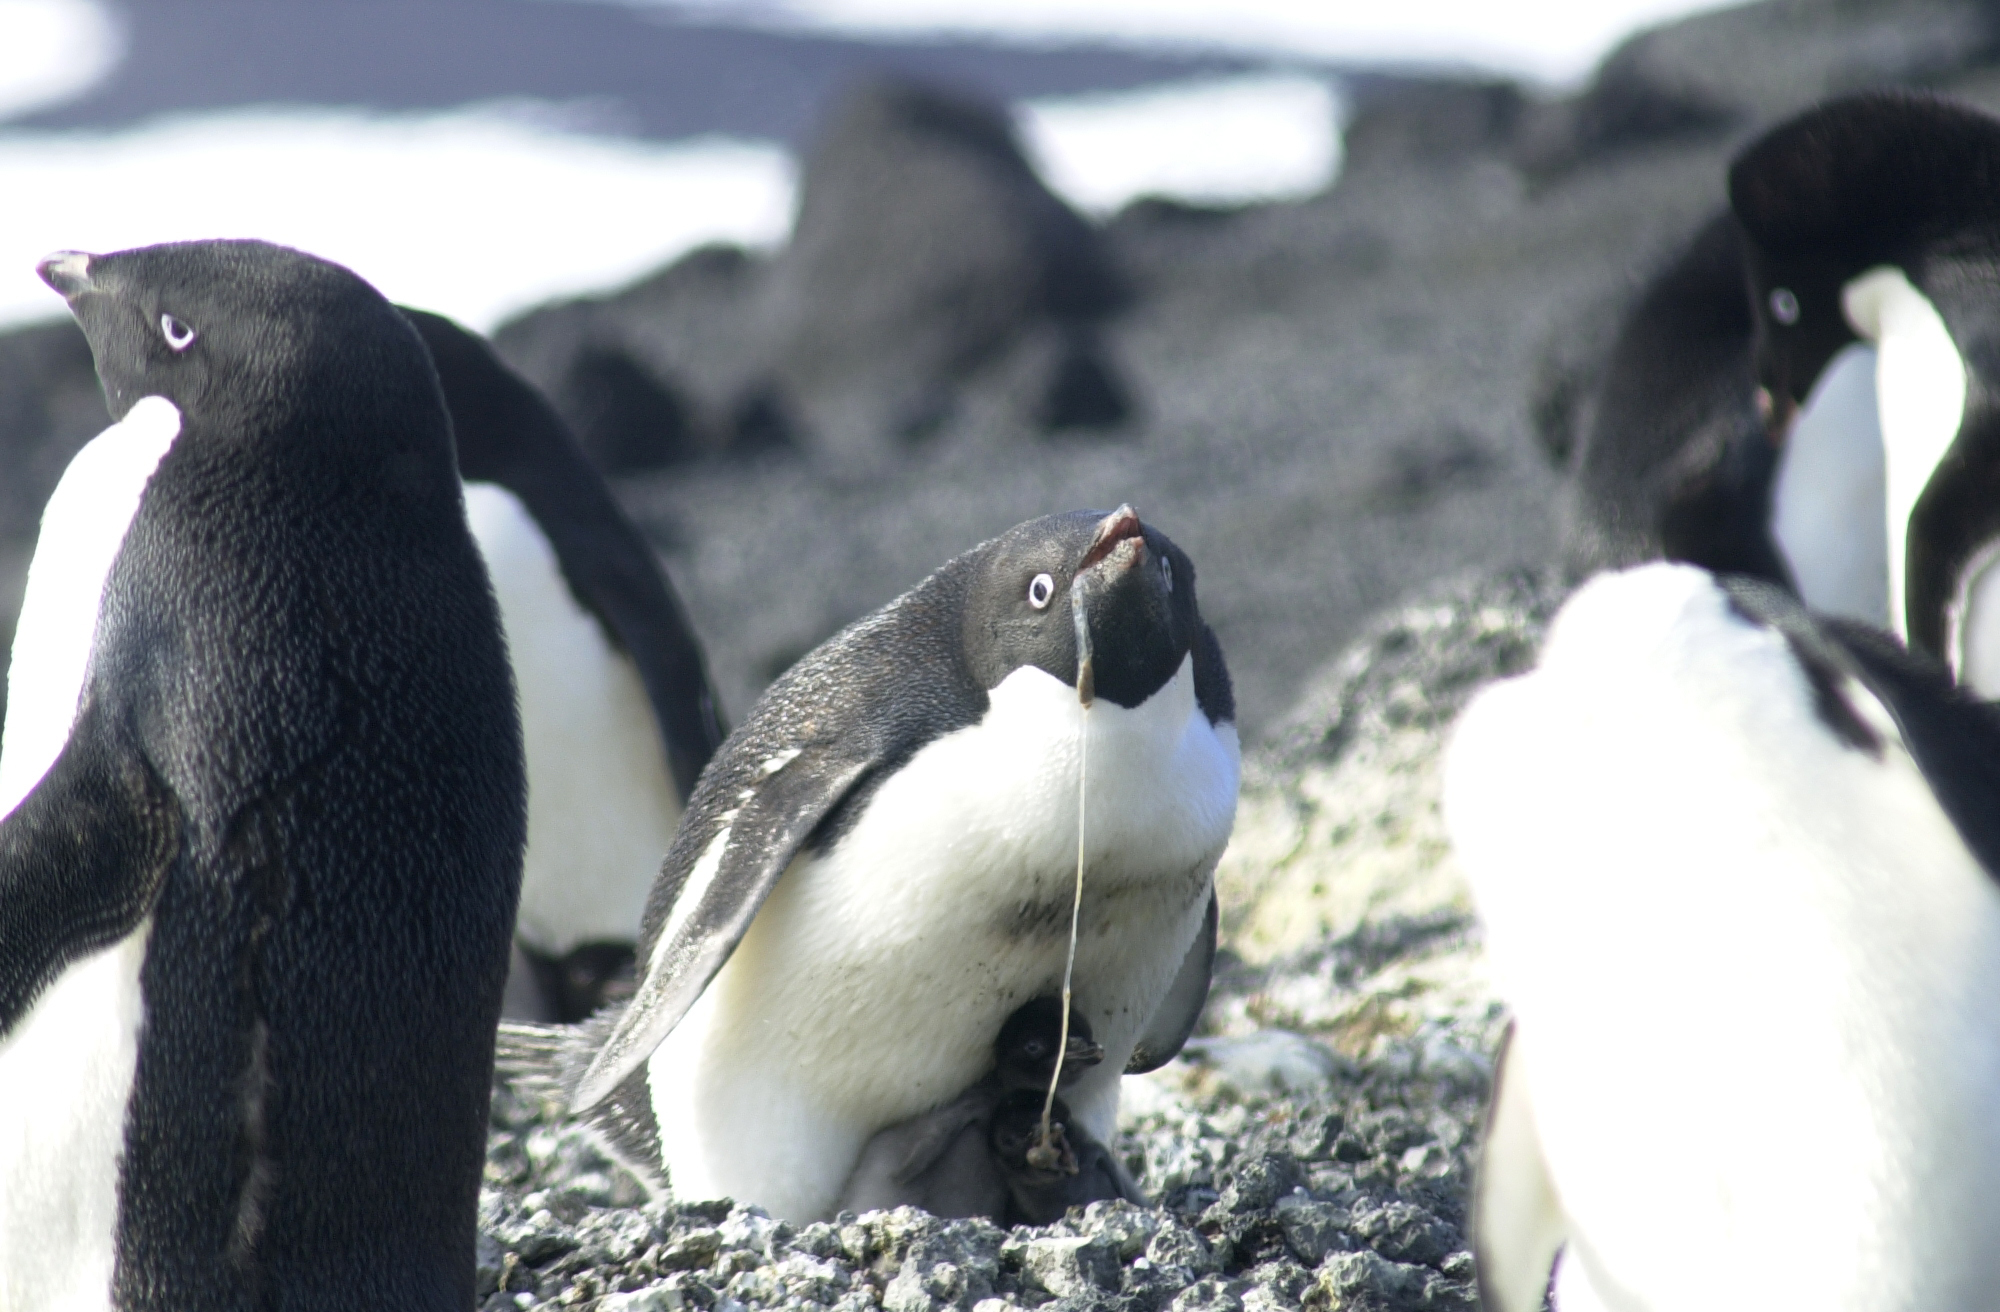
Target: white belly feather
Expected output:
[65,1083]
[1754,971]
[602,808]
[871,985]
[83,526]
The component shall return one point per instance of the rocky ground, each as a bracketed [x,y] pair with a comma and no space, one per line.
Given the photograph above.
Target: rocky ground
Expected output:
[1312,1147]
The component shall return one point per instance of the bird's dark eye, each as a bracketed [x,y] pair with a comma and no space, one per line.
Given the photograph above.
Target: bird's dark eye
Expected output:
[1041,591]
[1784,305]
[179,336]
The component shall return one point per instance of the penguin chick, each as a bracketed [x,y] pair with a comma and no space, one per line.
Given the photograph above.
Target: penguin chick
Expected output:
[941,1161]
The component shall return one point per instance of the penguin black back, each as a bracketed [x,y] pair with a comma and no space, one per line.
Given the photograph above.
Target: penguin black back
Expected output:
[298,672]
[508,433]
[1674,463]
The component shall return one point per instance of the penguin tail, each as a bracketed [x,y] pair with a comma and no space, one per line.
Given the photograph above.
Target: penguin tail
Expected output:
[532,1057]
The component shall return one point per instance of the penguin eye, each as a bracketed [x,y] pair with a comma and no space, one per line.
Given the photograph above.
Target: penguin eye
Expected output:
[179,336]
[1040,591]
[1784,305]
[1167,572]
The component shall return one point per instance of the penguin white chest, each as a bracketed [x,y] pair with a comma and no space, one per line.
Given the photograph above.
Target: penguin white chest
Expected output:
[873,981]
[66,1071]
[602,808]
[83,527]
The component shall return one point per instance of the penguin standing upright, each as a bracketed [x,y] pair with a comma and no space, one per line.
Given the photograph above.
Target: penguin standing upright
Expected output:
[255,904]
[616,708]
[879,866]
[1736,868]
[1876,219]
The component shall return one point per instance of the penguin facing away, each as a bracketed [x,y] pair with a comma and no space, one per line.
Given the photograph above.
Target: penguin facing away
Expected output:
[617,712]
[1736,869]
[878,867]
[255,909]
[1876,218]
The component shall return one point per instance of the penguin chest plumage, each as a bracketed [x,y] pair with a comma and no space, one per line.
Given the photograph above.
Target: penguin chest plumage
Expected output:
[66,1067]
[871,983]
[83,526]
[66,1073]
[602,808]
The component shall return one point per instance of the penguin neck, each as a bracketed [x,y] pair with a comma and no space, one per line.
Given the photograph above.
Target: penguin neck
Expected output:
[1920,388]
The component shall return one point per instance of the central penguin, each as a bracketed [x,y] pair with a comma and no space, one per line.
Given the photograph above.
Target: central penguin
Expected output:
[878,867]
[257,893]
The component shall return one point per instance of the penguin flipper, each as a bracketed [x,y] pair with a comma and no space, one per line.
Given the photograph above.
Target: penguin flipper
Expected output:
[1517,1224]
[726,881]
[1180,1010]
[81,860]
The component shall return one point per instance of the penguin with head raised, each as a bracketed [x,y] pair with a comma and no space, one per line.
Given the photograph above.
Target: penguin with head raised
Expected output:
[1736,870]
[942,1161]
[616,708]
[879,866]
[258,883]
[1876,219]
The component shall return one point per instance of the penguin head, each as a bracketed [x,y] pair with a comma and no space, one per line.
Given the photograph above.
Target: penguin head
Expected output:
[1896,179]
[1137,592]
[244,332]
[1025,1053]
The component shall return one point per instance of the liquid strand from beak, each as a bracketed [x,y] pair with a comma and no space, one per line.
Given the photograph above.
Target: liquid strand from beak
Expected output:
[1113,529]
[1079,614]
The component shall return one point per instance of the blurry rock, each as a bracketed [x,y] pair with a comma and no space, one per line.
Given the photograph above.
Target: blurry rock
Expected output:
[1338,824]
[1426,122]
[1630,102]
[625,419]
[925,246]
[1266,1062]
[661,373]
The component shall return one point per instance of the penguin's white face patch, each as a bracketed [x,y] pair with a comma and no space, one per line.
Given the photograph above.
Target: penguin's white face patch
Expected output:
[1920,391]
[83,527]
[1828,489]
[1754,968]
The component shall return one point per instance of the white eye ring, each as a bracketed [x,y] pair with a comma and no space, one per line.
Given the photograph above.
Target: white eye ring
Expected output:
[1167,571]
[1784,305]
[1041,591]
[179,335]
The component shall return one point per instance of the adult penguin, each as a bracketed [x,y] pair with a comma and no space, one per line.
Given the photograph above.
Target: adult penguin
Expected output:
[255,904]
[617,713]
[880,866]
[1877,219]
[1736,867]
[1673,462]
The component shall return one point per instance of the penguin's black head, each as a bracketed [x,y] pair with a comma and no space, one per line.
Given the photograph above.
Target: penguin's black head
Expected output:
[1884,178]
[1137,590]
[1025,1053]
[244,333]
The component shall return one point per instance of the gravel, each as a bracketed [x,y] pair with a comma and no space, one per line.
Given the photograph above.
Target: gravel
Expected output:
[1313,1147]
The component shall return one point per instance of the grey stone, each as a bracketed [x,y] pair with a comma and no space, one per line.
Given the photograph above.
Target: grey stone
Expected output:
[1070,1266]
[1404,1233]
[1312,1230]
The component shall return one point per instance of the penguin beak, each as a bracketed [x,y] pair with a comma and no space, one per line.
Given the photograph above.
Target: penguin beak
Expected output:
[1120,526]
[68,272]
[1778,415]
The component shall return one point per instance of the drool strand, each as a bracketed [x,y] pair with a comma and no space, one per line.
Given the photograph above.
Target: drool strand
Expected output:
[1045,1155]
